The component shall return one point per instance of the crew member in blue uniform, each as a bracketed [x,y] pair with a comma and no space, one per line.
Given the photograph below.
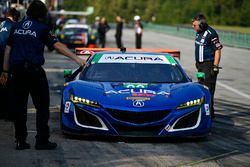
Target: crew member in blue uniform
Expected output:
[207,53]
[11,18]
[24,56]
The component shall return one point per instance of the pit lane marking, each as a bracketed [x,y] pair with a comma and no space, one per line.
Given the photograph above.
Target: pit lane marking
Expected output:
[54,69]
[236,91]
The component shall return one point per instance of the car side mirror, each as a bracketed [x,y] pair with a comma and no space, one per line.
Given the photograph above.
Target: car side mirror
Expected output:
[67,73]
[201,77]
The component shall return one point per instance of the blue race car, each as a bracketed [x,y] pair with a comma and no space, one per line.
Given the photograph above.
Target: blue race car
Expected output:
[134,94]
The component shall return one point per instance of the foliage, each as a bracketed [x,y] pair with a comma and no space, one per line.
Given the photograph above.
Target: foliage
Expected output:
[219,12]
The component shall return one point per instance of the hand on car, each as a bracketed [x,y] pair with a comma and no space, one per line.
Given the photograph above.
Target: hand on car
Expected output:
[81,62]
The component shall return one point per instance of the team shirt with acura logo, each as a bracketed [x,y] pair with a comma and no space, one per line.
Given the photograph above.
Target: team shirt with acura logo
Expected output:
[28,39]
[5,28]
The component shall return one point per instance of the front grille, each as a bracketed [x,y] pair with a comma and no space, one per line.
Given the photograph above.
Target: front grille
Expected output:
[138,117]
[143,131]
[188,121]
[85,118]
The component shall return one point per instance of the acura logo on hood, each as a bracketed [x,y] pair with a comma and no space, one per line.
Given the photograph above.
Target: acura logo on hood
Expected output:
[138,103]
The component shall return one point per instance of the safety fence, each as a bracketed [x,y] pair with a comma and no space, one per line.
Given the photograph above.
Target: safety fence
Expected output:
[234,39]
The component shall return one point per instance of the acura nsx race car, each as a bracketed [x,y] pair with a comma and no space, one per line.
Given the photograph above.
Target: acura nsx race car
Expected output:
[133,93]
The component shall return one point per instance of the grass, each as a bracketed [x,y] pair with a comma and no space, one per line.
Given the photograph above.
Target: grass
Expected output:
[232,28]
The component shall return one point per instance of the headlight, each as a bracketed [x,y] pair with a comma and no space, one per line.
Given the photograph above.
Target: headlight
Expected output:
[191,103]
[87,102]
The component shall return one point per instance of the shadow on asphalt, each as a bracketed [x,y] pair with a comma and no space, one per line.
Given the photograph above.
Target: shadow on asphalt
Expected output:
[139,139]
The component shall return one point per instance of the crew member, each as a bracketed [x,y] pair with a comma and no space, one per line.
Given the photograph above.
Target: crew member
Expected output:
[138,32]
[207,53]
[5,27]
[102,30]
[118,33]
[24,56]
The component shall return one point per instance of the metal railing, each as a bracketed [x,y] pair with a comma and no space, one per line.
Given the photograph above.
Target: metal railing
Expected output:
[234,39]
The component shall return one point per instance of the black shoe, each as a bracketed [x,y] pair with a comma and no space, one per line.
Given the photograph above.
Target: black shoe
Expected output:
[21,145]
[46,146]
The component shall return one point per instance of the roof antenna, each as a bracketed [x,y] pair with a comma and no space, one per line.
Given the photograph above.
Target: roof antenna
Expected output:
[123,49]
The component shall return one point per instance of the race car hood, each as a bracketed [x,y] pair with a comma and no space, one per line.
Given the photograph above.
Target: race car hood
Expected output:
[136,95]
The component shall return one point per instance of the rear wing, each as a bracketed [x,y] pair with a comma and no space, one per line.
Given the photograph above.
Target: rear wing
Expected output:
[87,52]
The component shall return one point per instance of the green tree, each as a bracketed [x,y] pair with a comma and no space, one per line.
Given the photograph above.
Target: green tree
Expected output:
[220,12]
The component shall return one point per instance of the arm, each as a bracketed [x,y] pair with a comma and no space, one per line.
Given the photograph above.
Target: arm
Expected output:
[217,46]
[217,57]
[53,43]
[6,63]
[66,52]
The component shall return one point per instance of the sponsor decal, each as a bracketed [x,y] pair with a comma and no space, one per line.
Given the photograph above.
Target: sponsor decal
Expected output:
[67,106]
[138,98]
[96,58]
[86,52]
[143,95]
[171,60]
[25,32]
[138,92]
[207,111]
[3,29]
[167,127]
[135,85]
[132,58]
[138,103]
[27,24]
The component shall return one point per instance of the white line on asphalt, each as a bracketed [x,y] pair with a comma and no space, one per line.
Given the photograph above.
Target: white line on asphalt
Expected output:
[53,70]
[52,109]
[233,90]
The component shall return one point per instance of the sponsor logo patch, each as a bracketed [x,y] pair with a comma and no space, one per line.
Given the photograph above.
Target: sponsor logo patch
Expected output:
[138,98]
[27,24]
[167,127]
[207,109]
[67,106]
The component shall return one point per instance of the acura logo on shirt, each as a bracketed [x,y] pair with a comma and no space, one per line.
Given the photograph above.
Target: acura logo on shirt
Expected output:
[138,103]
[27,24]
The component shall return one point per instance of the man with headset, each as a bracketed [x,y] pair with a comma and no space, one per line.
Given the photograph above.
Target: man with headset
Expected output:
[207,54]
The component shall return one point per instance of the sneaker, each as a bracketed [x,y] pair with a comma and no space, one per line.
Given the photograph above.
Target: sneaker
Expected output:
[46,146]
[21,145]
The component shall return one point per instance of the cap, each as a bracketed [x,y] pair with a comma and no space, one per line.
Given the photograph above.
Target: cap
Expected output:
[97,18]
[136,18]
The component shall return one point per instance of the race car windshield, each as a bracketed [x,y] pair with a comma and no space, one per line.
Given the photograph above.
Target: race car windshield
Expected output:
[133,72]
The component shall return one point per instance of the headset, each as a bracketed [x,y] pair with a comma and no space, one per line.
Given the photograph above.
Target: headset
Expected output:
[202,21]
